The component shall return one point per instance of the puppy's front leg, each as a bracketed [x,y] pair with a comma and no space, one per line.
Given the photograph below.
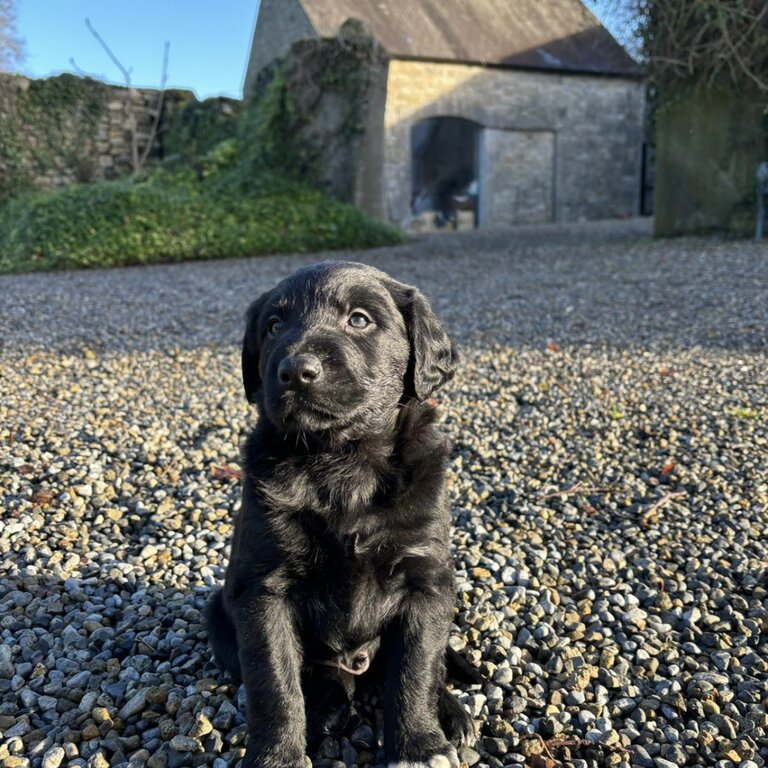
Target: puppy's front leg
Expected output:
[415,674]
[270,660]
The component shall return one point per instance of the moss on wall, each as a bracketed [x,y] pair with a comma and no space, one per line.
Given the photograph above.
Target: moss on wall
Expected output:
[709,142]
[196,128]
[14,174]
[48,125]
[308,110]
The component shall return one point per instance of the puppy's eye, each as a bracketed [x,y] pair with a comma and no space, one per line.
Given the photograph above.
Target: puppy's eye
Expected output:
[359,320]
[274,325]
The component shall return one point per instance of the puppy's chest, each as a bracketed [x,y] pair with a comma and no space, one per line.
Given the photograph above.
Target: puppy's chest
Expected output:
[348,593]
[353,553]
[326,484]
[334,515]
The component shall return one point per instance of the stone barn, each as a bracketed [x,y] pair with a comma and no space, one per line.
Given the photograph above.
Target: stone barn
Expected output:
[489,112]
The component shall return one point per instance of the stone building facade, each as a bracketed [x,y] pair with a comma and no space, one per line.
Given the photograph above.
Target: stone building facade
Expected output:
[552,106]
[553,147]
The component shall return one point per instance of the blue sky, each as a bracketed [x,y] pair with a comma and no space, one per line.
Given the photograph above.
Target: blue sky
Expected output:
[209,40]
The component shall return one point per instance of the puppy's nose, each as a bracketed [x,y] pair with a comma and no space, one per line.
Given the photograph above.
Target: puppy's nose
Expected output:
[299,370]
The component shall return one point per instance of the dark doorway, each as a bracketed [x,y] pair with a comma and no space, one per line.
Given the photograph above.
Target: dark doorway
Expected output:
[445,153]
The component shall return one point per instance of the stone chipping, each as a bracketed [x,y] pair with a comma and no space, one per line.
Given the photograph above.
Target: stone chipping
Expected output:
[609,489]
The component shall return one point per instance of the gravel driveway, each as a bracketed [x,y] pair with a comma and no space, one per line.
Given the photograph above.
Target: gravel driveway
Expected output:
[609,489]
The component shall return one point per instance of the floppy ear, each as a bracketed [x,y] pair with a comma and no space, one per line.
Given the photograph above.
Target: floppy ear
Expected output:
[252,348]
[433,354]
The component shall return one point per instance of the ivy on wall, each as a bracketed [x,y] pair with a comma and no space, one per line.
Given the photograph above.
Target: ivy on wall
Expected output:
[14,175]
[198,127]
[66,112]
[48,125]
[305,117]
[308,109]
[265,138]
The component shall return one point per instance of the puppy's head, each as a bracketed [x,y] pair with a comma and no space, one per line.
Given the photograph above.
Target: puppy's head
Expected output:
[340,345]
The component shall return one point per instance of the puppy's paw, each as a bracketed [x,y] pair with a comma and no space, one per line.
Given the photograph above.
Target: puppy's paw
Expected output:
[456,722]
[275,759]
[429,750]
[327,717]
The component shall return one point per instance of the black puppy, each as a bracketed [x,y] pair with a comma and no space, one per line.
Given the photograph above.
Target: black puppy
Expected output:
[340,552]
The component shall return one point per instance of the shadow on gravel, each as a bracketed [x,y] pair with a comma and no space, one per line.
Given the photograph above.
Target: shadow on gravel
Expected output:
[602,283]
[608,485]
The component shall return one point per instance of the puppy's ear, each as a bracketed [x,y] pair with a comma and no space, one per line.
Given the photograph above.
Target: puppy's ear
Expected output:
[252,348]
[433,354]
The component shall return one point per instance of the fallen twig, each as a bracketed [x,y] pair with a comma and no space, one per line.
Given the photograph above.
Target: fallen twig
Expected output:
[540,738]
[647,515]
[537,761]
[580,489]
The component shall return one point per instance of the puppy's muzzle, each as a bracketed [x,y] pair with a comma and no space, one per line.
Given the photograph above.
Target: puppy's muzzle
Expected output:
[299,371]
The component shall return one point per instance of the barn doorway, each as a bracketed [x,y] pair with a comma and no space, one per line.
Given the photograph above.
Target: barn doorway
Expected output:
[445,157]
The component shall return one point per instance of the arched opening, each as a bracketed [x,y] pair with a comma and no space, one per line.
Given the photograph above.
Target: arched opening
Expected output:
[445,157]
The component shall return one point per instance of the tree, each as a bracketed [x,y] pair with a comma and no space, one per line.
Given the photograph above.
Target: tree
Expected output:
[138,158]
[708,67]
[10,44]
[711,40]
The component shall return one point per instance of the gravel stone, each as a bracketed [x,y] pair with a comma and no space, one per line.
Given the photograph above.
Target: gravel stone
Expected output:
[186,744]
[53,757]
[608,486]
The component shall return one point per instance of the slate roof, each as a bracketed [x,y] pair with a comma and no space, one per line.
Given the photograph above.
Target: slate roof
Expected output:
[559,35]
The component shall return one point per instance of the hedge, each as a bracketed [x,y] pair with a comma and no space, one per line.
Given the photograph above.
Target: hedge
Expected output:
[172,216]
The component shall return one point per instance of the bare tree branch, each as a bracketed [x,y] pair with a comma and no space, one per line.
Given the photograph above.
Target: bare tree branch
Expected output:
[137,159]
[159,107]
[713,39]
[11,49]
[132,125]
[126,72]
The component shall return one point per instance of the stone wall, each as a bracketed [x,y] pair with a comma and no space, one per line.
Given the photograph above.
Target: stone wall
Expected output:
[56,147]
[519,177]
[324,101]
[114,140]
[573,142]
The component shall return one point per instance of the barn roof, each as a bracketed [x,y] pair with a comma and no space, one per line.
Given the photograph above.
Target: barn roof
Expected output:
[557,35]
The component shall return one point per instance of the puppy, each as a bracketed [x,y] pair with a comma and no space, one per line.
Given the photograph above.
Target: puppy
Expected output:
[340,556]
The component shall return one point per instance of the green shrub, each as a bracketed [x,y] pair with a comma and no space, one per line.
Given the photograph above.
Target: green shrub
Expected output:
[237,185]
[199,126]
[65,110]
[174,216]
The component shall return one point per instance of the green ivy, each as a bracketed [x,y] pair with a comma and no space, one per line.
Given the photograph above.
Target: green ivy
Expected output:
[265,132]
[270,134]
[199,126]
[173,216]
[14,176]
[63,114]
[65,111]
[236,185]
